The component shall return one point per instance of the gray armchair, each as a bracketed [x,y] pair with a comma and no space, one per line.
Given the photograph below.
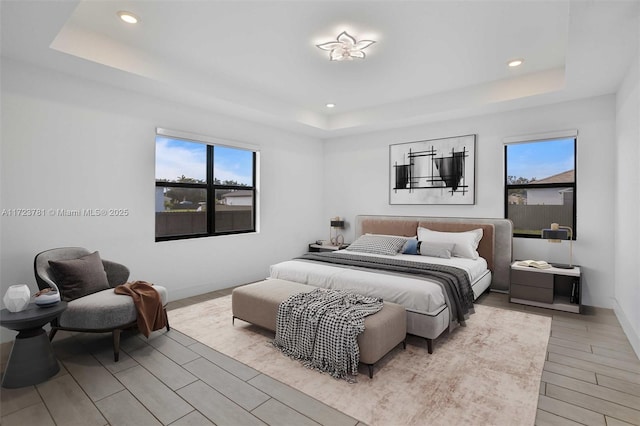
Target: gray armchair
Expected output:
[98,312]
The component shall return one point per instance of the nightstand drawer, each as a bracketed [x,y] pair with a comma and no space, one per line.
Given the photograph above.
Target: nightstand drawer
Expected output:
[532,279]
[552,288]
[527,292]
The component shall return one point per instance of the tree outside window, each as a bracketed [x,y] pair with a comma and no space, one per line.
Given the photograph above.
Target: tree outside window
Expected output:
[203,189]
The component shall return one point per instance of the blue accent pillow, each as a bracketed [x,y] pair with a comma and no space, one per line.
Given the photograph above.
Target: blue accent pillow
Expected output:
[411,247]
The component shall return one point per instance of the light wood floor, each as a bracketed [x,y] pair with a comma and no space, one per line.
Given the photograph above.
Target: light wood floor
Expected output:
[591,377]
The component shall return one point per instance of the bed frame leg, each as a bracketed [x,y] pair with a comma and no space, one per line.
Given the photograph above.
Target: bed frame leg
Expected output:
[429,345]
[233,320]
[370,370]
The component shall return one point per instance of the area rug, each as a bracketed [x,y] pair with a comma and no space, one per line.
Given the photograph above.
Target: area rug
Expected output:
[487,373]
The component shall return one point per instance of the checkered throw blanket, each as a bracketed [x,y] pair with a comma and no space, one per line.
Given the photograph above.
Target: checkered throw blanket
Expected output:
[321,329]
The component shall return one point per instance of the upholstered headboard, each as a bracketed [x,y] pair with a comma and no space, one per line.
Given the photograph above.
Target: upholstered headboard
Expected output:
[495,246]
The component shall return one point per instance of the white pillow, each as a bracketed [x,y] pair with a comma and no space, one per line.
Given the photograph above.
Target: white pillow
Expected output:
[466,243]
[442,250]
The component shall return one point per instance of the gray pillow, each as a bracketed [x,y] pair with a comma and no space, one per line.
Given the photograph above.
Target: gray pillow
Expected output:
[442,250]
[79,277]
[378,244]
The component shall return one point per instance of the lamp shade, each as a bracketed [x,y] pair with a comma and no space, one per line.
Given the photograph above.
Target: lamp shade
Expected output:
[555,234]
[337,223]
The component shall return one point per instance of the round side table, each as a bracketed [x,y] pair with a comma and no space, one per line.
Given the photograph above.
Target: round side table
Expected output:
[32,359]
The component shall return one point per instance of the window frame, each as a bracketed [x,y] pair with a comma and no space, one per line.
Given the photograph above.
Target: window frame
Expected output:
[210,186]
[548,137]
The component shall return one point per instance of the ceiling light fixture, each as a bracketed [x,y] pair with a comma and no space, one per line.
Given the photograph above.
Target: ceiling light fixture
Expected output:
[331,105]
[515,62]
[128,17]
[345,48]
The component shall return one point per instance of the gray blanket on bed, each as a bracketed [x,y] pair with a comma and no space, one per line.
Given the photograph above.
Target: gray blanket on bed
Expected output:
[454,281]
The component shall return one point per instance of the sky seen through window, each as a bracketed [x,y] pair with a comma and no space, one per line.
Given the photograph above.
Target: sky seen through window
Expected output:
[540,159]
[176,157]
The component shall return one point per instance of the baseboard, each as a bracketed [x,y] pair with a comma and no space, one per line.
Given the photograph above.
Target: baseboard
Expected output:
[632,335]
[185,292]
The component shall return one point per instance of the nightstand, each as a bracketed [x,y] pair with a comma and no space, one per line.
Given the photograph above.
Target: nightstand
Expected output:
[553,288]
[315,248]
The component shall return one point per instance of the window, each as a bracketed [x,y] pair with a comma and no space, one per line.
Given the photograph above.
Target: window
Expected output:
[202,188]
[540,184]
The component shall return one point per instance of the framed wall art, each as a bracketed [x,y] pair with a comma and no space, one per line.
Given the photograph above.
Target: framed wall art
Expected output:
[436,171]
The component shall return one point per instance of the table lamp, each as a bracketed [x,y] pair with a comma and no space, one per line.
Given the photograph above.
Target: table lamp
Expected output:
[336,223]
[555,234]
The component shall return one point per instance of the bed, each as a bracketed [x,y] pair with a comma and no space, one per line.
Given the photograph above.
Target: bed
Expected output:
[431,307]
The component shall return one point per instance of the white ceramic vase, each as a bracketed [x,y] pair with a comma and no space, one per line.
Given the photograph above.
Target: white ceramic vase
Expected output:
[17,297]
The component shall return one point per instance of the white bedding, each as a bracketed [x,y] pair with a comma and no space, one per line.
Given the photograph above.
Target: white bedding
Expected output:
[475,268]
[415,294]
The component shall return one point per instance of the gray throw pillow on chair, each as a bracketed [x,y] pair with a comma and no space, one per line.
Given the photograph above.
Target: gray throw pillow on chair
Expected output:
[79,277]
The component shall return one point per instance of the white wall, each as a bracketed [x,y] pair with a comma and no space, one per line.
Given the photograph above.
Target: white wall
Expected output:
[627,217]
[548,196]
[357,179]
[69,143]
[72,144]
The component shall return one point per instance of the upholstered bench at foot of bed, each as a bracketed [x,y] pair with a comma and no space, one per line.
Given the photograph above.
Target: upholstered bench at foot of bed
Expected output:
[258,303]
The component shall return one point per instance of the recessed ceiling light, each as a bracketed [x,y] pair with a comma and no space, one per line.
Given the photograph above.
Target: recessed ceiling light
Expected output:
[331,105]
[128,17]
[515,62]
